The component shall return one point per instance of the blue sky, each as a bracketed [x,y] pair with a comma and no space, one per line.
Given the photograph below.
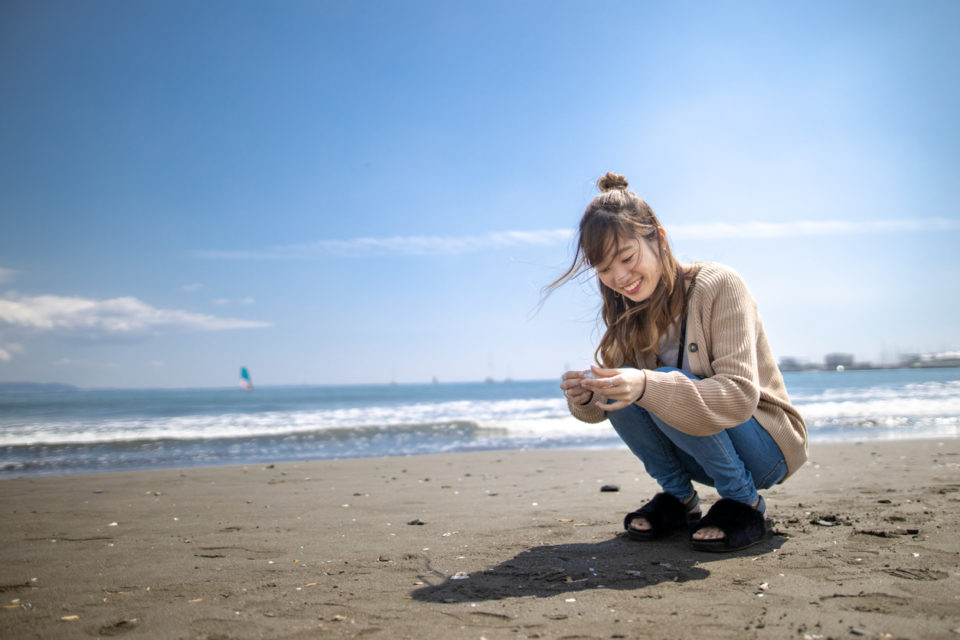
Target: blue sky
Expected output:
[331,192]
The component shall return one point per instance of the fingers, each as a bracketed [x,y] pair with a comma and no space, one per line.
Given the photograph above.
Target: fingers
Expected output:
[580,387]
[603,373]
[601,384]
[571,383]
[571,380]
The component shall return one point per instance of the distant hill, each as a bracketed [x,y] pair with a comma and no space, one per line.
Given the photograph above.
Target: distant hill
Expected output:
[10,388]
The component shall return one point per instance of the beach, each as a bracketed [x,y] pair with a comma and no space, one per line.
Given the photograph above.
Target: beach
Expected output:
[495,544]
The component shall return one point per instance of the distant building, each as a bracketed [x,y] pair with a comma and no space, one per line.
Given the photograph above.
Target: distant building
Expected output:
[835,361]
[931,360]
[795,364]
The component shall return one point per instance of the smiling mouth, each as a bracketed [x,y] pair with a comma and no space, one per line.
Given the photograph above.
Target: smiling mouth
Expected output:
[633,288]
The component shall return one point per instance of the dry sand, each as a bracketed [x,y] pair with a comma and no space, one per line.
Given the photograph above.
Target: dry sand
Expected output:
[506,544]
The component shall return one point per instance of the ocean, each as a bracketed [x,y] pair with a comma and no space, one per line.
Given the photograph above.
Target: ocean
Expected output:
[44,431]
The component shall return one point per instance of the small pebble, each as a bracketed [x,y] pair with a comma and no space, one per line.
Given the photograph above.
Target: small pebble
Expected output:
[610,487]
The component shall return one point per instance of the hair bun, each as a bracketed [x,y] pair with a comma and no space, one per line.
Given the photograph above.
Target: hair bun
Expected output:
[612,181]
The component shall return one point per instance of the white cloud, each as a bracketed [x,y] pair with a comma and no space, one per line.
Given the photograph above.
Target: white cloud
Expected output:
[8,350]
[402,245]
[7,275]
[190,288]
[116,316]
[224,301]
[455,245]
[90,364]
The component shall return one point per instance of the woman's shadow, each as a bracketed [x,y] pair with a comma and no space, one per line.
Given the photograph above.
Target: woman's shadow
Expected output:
[619,563]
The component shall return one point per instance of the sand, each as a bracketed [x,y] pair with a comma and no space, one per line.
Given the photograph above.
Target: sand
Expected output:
[505,544]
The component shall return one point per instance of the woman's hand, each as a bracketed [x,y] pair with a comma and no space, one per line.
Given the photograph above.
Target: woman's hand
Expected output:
[623,386]
[573,390]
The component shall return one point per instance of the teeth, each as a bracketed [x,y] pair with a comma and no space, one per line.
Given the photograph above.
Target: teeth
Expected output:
[632,286]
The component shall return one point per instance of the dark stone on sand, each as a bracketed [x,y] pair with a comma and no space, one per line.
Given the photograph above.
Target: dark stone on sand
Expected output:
[610,487]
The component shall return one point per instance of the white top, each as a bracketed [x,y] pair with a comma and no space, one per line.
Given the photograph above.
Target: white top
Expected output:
[669,346]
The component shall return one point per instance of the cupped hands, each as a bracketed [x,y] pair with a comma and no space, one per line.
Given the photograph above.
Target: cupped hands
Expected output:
[624,386]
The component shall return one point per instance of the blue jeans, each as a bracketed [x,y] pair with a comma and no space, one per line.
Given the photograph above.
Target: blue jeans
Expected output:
[737,461]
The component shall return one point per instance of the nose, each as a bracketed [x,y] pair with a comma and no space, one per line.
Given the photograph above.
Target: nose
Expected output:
[620,273]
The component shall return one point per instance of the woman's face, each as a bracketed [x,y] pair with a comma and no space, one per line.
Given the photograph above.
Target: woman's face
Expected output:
[631,267]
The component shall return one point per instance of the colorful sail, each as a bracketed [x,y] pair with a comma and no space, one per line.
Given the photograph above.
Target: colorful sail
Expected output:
[245,380]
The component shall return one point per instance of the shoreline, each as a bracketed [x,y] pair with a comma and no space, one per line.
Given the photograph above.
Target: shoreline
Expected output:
[616,445]
[865,544]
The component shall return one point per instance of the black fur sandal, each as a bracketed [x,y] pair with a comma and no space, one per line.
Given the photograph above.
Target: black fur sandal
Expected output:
[742,525]
[666,514]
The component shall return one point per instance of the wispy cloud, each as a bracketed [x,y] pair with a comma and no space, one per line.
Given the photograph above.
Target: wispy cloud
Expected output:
[7,275]
[8,350]
[190,288]
[456,245]
[71,362]
[226,301]
[398,245]
[116,316]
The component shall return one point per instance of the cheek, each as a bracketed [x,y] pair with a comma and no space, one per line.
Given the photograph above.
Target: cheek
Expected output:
[653,268]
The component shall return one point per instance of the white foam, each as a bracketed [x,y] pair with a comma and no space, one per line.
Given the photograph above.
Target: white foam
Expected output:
[522,416]
[899,407]
[914,410]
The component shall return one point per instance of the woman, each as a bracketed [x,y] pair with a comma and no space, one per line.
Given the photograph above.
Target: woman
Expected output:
[688,379]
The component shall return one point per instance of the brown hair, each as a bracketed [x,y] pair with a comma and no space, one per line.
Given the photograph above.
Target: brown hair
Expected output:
[633,329]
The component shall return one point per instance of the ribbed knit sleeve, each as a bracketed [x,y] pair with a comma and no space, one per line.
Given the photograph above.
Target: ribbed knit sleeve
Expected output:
[589,412]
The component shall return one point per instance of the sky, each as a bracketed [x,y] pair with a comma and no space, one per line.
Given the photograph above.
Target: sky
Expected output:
[369,192]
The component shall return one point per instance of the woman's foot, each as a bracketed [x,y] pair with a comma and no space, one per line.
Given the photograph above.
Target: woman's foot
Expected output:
[739,525]
[715,533]
[642,525]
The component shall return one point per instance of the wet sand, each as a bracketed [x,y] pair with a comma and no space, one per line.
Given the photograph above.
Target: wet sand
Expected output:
[505,544]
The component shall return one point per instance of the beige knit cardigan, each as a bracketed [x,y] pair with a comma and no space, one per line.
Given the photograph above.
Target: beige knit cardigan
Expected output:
[728,350]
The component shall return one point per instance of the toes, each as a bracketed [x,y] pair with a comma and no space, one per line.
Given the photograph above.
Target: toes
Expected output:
[640,524]
[709,533]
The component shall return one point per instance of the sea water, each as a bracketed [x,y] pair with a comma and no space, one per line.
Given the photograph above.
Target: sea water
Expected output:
[86,430]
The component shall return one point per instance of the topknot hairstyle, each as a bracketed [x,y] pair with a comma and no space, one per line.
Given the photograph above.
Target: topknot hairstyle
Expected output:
[612,181]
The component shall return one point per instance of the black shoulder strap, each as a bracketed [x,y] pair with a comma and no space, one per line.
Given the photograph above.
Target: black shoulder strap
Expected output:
[683,322]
